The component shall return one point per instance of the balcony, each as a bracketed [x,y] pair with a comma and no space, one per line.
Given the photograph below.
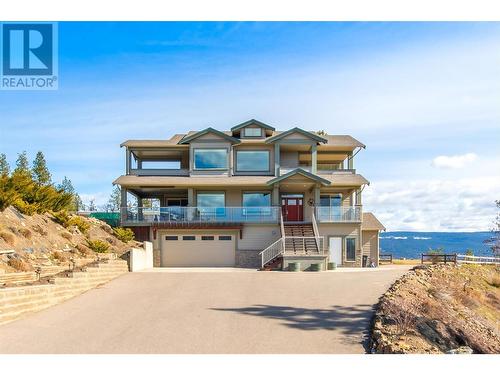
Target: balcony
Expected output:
[201,215]
[338,214]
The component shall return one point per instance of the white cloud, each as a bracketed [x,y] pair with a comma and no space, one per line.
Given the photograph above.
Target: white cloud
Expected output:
[434,205]
[455,161]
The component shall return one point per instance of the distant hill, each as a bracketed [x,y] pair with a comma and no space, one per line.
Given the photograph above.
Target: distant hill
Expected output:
[412,244]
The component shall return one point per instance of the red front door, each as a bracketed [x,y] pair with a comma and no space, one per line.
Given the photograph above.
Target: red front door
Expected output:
[292,208]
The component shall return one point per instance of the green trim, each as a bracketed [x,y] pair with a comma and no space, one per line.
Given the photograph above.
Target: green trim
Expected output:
[206,131]
[252,122]
[296,130]
[301,172]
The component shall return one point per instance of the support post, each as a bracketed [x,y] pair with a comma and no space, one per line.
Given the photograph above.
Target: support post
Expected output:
[127,160]
[277,159]
[350,161]
[190,204]
[123,205]
[276,195]
[314,159]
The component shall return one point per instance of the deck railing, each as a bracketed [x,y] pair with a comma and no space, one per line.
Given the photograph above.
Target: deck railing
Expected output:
[200,214]
[338,214]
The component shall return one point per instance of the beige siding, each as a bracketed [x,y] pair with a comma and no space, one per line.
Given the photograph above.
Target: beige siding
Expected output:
[289,159]
[343,230]
[258,237]
[370,245]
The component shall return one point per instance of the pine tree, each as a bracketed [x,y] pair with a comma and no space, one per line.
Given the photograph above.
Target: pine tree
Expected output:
[114,199]
[39,171]
[66,186]
[22,165]
[78,203]
[4,166]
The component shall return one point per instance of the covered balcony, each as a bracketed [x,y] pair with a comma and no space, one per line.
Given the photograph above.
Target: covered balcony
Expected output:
[338,214]
[177,214]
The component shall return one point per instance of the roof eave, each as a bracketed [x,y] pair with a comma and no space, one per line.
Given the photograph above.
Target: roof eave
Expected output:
[190,138]
[301,171]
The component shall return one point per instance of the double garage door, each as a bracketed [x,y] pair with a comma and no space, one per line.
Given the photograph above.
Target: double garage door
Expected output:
[198,249]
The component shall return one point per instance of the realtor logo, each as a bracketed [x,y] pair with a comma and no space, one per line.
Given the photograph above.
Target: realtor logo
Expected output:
[28,56]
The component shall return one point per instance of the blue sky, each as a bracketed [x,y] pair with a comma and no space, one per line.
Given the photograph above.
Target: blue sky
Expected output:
[424,98]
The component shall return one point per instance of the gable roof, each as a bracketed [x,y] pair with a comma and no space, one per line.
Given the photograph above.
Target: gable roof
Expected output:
[198,134]
[370,222]
[301,172]
[252,122]
[313,136]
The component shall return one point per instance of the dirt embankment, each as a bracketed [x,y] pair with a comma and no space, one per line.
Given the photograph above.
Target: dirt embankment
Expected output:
[440,309]
[39,240]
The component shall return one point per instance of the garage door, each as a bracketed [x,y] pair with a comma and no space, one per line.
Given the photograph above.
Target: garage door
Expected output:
[198,250]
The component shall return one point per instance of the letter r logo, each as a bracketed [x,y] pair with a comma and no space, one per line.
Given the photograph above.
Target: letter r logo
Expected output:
[27,49]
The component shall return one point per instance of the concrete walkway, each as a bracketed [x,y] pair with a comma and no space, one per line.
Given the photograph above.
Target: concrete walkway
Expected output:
[209,312]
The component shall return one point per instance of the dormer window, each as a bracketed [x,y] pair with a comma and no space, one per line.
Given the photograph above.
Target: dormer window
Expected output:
[252,132]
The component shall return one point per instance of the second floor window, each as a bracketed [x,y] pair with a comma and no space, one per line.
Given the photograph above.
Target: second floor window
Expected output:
[252,132]
[210,158]
[252,161]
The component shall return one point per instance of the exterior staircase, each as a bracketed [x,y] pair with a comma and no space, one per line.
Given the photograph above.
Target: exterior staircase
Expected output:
[300,239]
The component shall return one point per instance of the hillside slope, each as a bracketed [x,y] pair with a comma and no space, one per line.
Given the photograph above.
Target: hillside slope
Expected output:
[440,309]
[40,240]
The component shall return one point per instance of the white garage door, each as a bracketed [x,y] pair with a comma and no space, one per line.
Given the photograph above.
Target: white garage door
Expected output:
[198,250]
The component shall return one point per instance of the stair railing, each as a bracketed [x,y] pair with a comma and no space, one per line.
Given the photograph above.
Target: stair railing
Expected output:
[282,226]
[316,234]
[272,251]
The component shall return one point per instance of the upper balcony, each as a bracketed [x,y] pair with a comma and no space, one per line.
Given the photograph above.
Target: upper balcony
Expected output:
[338,214]
[158,162]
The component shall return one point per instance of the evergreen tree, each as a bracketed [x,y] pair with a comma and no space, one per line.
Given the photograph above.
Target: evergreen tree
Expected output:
[39,171]
[4,166]
[22,165]
[114,200]
[66,186]
[78,203]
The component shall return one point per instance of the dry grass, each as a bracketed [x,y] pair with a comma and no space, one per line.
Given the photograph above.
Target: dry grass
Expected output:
[495,281]
[8,237]
[406,261]
[25,232]
[38,229]
[59,256]
[66,235]
[19,265]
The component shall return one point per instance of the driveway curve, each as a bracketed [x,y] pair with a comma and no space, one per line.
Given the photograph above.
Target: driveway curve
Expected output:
[210,311]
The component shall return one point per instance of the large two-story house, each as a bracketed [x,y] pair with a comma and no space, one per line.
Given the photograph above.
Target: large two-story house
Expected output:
[249,197]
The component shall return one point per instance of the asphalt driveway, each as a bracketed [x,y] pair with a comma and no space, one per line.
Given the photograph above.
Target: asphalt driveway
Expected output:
[209,312]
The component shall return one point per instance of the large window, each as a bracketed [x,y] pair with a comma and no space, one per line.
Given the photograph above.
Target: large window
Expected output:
[350,248]
[329,207]
[211,206]
[255,203]
[252,161]
[210,200]
[252,132]
[210,158]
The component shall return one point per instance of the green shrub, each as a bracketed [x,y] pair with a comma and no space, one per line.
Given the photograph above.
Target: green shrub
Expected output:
[80,223]
[63,218]
[469,252]
[124,234]
[98,246]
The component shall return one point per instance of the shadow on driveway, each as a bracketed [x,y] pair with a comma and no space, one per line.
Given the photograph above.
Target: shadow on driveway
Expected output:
[352,321]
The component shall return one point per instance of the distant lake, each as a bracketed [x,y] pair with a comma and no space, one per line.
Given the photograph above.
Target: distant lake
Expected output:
[413,244]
